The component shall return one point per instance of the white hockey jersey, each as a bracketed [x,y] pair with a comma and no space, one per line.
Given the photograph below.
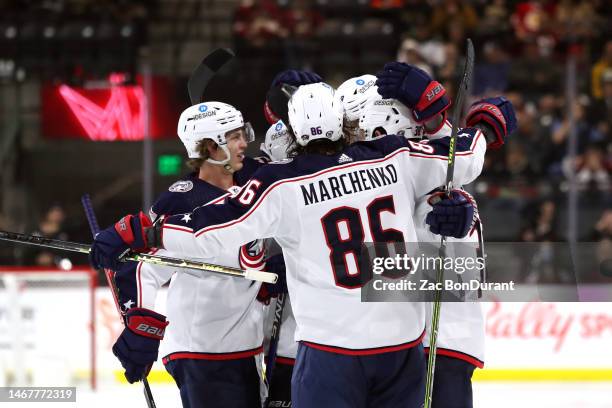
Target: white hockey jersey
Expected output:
[210,316]
[461,332]
[320,209]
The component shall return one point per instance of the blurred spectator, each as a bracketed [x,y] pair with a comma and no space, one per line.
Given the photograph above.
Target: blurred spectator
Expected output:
[304,19]
[532,19]
[495,18]
[600,111]
[260,25]
[410,53]
[492,71]
[599,69]
[535,72]
[576,20]
[387,4]
[538,260]
[603,235]
[592,171]
[431,46]
[556,145]
[51,226]
[450,70]
[449,13]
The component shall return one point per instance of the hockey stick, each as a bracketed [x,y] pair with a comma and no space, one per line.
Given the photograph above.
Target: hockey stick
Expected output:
[110,278]
[203,73]
[274,337]
[464,88]
[147,258]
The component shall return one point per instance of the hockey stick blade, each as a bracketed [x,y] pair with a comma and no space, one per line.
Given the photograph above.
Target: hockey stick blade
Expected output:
[204,72]
[260,276]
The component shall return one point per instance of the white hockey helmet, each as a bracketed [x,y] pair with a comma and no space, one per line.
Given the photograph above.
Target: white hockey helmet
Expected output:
[387,117]
[211,120]
[354,93]
[314,113]
[277,142]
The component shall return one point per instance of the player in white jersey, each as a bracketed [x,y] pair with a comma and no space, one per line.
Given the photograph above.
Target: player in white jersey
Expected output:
[213,344]
[276,147]
[321,206]
[460,341]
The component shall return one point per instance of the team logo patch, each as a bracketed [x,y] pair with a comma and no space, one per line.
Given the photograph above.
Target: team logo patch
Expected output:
[278,126]
[360,82]
[203,108]
[182,186]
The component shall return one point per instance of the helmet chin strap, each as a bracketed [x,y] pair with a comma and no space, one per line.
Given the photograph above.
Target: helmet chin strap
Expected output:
[226,162]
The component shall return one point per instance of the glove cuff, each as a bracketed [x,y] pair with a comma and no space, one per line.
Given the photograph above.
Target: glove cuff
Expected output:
[492,116]
[440,105]
[146,323]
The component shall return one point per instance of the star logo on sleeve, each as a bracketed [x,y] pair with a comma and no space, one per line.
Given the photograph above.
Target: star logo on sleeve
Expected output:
[186,218]
[128,305]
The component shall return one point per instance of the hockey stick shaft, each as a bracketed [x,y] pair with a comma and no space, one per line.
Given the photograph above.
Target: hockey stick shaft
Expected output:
[147,258]
[95,228]
[464,88]
[279,306]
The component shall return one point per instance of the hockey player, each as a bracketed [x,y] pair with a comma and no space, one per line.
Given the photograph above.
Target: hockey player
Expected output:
[277,143]
[460,342]
[460,347]
[212,347]
[351,353]
[211,133]
[276,147]
[354,94]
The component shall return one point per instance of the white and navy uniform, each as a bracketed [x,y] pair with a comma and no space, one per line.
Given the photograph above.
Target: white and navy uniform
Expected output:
[320,209]
[213,319]
[461,330]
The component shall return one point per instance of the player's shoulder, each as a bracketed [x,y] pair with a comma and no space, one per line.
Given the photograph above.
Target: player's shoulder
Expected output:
[184,195]
[373,149]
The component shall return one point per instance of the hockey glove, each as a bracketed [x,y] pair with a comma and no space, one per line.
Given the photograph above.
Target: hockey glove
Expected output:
[452,216]
[274,264]
[137,346]
[113,242]
[414,88]
[496,118]
[275,108]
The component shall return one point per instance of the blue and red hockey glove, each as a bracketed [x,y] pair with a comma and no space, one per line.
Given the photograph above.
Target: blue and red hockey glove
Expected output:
[498,117]
[275,107]
[452,216]
[414,88]
[274,264]
[137,346]
[113,242]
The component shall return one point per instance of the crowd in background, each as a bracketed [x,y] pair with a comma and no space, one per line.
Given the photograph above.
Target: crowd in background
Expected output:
[522,49]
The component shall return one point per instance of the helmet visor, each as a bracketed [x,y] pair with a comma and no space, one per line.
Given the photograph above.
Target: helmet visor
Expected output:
[244,132]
